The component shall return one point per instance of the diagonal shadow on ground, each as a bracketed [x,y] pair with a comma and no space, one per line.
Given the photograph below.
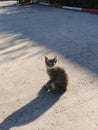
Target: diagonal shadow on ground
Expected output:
[31,111]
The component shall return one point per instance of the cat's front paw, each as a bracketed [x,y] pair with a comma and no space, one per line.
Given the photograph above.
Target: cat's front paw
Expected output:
[47,87]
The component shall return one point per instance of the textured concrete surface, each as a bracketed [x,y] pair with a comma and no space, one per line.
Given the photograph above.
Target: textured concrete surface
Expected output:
[27,34]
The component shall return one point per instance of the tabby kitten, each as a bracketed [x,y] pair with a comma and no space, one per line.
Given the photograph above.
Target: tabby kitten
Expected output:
[58,77]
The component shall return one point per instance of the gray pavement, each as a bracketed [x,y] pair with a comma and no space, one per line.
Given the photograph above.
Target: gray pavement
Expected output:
[27,34]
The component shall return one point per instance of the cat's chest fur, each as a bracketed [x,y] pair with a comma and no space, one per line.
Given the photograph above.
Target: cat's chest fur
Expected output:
[55,72]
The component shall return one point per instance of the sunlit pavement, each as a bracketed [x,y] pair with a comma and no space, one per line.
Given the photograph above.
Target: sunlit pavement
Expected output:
[27,34]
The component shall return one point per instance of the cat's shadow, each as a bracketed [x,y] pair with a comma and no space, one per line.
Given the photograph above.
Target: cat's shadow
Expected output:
[31,111]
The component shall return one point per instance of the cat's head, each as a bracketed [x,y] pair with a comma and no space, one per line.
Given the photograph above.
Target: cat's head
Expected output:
[50,62]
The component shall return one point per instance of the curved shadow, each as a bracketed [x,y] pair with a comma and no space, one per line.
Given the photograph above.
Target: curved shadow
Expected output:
[32,110]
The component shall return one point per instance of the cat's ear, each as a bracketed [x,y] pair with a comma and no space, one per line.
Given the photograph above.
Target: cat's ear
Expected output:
[55,59]
[46,58]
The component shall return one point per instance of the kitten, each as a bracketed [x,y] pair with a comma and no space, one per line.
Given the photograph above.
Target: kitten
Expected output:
[58,77]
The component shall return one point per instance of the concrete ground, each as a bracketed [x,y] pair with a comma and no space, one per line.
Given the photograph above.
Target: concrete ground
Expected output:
[27,34]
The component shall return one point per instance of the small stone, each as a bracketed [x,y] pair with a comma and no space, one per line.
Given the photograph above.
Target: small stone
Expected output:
[52,124]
